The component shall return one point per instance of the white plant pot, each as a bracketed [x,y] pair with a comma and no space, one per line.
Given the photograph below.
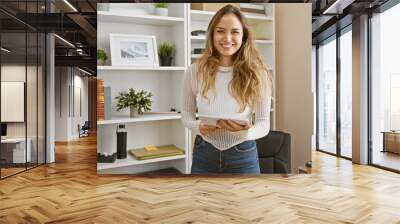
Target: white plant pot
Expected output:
[101,62]
[161,11]
[133,112]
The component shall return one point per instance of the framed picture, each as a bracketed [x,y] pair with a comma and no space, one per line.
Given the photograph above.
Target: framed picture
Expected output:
[133,50]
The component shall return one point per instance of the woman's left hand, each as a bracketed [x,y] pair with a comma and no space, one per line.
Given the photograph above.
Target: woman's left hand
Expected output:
[231,125]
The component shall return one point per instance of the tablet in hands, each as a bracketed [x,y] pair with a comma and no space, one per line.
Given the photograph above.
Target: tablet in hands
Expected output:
[212,120]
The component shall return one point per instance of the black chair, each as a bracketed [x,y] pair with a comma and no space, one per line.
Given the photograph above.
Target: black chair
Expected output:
[274,152]
[84,130]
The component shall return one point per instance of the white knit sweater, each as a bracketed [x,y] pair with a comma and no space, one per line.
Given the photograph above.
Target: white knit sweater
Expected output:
[224,105]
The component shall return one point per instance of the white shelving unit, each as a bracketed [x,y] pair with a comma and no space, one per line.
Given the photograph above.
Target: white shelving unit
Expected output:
[118,17]
[165,83]
[132,68]
[141,118]
[130,161]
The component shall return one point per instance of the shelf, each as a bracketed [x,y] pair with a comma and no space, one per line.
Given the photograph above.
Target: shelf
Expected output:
[123,17]
[131,161]
[264,42]
[195,56]
[200,39]
[120,68]
[207,15]
[142,118]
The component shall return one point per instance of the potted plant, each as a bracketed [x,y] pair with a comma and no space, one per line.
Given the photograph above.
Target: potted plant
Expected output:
[144,101]
[166,52]
[161,8]
[138,102]
[101,57]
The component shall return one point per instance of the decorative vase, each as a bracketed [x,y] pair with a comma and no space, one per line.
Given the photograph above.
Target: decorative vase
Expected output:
[166,61]
[161,11]
[133,112]
[140,111]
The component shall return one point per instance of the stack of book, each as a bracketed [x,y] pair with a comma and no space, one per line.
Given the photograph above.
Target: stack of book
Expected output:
[100,99]
[156,152]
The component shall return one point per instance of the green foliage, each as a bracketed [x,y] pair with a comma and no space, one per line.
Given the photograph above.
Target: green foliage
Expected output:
[161,5]
[144,101]
[101,55]
[166,50]
[140,100]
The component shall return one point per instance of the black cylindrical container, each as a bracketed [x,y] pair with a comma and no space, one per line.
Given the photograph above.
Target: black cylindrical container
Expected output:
[121,142]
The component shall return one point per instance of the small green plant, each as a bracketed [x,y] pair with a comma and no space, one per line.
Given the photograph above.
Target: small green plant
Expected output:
[166,50]
[144,101]
[161,5]
[136,100]
[101,55]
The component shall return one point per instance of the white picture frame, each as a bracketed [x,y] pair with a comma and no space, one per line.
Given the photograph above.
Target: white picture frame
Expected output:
[133,50]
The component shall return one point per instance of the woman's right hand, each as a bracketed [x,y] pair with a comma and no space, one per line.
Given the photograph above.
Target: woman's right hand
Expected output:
[206,129]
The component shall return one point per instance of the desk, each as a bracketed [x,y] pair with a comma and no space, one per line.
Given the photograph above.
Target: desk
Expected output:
[16,147]
[391,141]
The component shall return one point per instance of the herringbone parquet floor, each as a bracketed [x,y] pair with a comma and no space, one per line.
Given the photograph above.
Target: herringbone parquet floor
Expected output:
[70,191]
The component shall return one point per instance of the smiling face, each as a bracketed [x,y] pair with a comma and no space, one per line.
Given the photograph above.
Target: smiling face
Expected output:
[228,36]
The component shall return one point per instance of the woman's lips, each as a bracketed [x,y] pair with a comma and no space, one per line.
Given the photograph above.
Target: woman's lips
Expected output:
[227,46]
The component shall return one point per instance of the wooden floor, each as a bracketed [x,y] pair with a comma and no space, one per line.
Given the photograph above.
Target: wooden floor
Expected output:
[70,191]
[387,159]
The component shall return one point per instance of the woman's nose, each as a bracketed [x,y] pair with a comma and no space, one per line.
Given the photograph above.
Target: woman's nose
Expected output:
[228,37]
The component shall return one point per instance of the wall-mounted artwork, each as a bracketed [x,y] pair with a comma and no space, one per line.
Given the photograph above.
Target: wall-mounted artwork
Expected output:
[133,50]
[12,101]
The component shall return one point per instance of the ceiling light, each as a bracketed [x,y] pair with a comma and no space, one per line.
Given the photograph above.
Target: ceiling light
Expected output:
[65,41]
[86,72]
[70,5]
[5,50]
[338,6]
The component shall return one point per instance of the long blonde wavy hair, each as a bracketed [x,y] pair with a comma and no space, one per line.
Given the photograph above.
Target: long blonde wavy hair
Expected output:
[250,73]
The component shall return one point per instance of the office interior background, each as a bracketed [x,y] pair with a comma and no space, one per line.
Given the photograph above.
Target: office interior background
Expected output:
[47,80]
[30,54]
[335,68]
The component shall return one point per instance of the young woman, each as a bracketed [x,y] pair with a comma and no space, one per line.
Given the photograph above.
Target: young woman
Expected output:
[230,80]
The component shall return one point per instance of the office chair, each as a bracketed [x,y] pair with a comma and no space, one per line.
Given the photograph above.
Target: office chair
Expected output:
[84,130]
[274,152]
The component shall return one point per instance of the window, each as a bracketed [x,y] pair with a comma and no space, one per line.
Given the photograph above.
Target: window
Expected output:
[335,74]
[327,96]
[346,93]
[385,87]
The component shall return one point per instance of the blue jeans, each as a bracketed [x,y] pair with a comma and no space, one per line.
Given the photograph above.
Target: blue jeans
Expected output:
[239,159]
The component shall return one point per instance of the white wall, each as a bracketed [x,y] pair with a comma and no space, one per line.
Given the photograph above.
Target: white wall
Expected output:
[79,117]
[294,97]
[17,73]
[69,81]
[61,104]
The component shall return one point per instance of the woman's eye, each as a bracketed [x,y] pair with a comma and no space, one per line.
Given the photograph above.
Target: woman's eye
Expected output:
[220,31]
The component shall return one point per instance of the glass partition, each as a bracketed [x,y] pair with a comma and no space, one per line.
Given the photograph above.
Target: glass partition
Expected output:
[346,94]
[13,104]
[22,78]
[385,89]
[327,96]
